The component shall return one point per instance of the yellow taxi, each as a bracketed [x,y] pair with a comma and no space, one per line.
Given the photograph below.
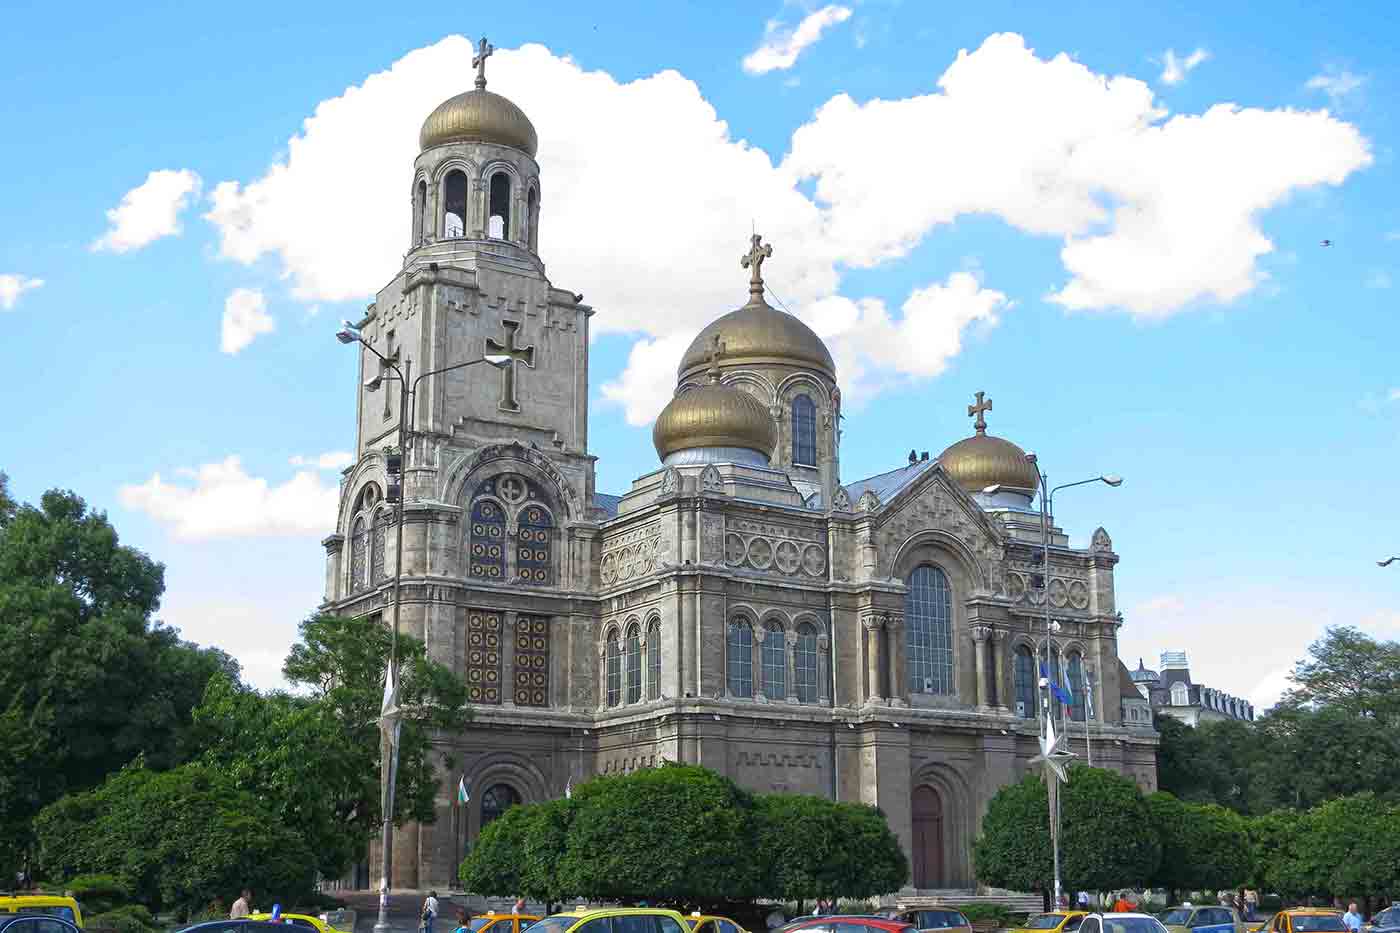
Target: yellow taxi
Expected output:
[49,905]
[501,923]
[709,923]
[935,919]
[1056,921]
[305,921]
[1306,920]
[613,920]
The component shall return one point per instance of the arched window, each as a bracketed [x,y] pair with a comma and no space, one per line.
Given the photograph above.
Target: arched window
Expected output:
[614,658]
[1180,695]
[740,655]
[804,431]
[532,220]
[1025,682]
[420,213]
[928,611]
[634,664]
[497,800]
[533,563]
[774,661]
[359,548]
[653,660]
[376,547]
[454,204]
[498,215]
[1075,670]
[488,540]
[805,663]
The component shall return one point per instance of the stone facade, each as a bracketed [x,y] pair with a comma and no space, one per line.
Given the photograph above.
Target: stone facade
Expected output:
[757,620]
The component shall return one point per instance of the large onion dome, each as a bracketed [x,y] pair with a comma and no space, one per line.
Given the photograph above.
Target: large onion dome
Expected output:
[759,334]
[983,460]
[714,416]
[479,116]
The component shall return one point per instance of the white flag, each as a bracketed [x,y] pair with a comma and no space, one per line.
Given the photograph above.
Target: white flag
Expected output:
[569,788]
[389,712]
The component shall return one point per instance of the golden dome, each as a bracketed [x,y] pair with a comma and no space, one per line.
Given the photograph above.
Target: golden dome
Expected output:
[714,415]
[479,116]
[982,460]
[757,333]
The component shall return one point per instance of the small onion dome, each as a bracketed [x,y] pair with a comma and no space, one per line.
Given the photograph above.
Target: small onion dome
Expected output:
[714,415]
[982,460]
[479,116]
[756,334]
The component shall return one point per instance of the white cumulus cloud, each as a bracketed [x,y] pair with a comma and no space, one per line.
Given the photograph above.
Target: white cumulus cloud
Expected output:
[245,317]
[649,380]
[334,460]
[149,211]
[13,285]
[782,45]
[220,500]
[1175,69]
[1337,84]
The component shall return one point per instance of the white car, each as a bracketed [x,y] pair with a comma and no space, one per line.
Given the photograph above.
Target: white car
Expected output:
[1121,923]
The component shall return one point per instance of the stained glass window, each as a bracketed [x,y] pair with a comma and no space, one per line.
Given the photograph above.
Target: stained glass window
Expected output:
[804,431]
[483,657]
[805,663]
[488,539]
[1025,681]
[1075,670]
[740,646]
[634,664]
[497,800]
[653,660]
[774,655]
[614,659]
[359,544]
[532,555]
[928,611]
[531,660]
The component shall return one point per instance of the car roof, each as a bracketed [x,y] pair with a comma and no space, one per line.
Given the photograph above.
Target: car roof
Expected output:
[615,911]
[39,900]
[1316,911]
[241,922]
[7,919]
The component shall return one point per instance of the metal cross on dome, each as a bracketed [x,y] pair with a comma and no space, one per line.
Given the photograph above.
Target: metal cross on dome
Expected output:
[753,261]
[716,351]
[981,408]
[484,50]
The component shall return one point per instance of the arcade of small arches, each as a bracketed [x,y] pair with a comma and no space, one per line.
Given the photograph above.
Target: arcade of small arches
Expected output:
[463,202]
[631,658]
[776,661]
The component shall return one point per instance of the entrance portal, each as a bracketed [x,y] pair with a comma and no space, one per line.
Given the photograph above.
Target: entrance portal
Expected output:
[928,838]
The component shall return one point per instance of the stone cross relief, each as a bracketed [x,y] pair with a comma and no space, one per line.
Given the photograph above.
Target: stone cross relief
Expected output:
[524,355]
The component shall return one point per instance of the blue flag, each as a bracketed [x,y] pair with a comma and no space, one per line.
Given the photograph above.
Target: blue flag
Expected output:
[1057,690]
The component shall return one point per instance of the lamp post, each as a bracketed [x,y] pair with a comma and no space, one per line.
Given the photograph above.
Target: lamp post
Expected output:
[390,723]
[1048,751]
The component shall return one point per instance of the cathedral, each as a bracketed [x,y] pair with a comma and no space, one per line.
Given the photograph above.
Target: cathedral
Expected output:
[743,606]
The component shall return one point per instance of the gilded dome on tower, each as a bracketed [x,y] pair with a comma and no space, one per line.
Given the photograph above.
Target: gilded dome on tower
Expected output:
[758,333]
[983,460]
[717,416]
[479,116]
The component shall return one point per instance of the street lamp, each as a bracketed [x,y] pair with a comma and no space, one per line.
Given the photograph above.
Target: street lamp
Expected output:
[1048,751]
[348,334]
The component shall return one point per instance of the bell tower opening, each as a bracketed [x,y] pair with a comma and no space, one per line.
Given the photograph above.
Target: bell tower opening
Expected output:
[420,213]
[454,211]
[532,220]
[498,217]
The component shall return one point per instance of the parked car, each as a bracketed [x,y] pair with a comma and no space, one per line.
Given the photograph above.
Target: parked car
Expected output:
[1307,920]
[850,923]
[501,923]
[1207,918]
[1056,921]
[1121,923]
[613,920]
[305,921]
[35,923]
[1385,921]
[937,919]
[710,923]
[49,905]
[242,925]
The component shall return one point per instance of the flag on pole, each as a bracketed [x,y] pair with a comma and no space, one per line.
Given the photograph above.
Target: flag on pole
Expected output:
[1059,692]
[389,711]
[464,794]
[569,788]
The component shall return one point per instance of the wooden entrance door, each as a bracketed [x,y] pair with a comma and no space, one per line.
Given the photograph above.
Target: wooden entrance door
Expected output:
[928,838]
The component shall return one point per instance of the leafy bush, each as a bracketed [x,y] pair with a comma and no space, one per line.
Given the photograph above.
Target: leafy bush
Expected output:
[993,914]
[98,894]
[129,918]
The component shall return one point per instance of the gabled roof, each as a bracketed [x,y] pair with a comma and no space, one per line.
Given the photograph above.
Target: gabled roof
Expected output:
[887,485]
[607,503]
[1126,689]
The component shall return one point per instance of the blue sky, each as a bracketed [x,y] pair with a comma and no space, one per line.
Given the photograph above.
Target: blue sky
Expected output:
[1137,295]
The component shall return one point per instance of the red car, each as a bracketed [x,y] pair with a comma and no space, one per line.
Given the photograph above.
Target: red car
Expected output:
[849,923]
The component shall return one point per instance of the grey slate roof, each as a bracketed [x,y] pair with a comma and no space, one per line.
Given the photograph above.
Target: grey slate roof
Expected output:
[887,485]
[607,503]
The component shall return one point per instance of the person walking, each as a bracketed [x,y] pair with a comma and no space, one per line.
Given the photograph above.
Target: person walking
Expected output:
[1352,918]
[430,911]
[519,906]
[1251,903]
[464,921]
[243,906]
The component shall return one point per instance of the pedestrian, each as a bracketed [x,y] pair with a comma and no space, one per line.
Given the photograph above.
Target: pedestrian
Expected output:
[1251,903]
[430,911]
[243,906]
[464,921]
[1352,918]
[1122,905]
[519,906]
[1083,900]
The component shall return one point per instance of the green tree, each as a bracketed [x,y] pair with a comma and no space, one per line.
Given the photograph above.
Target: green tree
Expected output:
[1349,847]
[1349,670]
[315,759]
[1273,839]
[811,847]
[175,837]
[1215,762]
[1204,846]
[518,854]
[88,680]
[1106,841]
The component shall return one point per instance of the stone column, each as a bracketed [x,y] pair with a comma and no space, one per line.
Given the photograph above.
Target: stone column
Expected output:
[874,627]
[981,634]
[603,675]
[790,649]
[899,677]
[824,669]
[760,682]
[999,666]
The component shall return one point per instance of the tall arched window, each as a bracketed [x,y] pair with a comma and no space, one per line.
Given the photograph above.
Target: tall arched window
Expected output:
[359,550]
[1181,696]
[774,661]
[498,214]
[634,664]
[928,613]
[1025,681]
[614,661]
[533,563]
[805,663]
[532,215]
[497,800]
[376,547]
[653,660]
[740,656]
[1075,670]
[420,213]
[488,540]
[804,431]
[454,204]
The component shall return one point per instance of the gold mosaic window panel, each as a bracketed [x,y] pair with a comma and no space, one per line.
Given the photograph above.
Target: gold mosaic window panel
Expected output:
[531,661]
[484,649]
